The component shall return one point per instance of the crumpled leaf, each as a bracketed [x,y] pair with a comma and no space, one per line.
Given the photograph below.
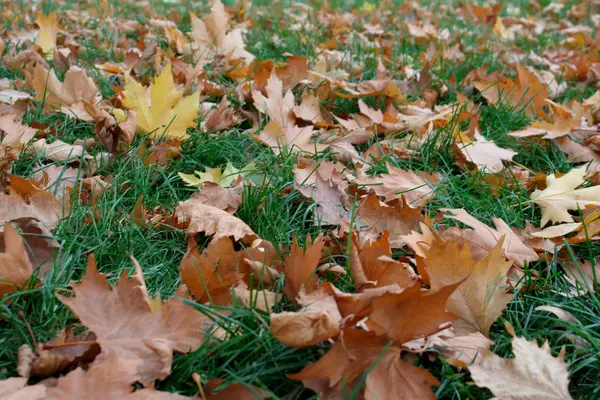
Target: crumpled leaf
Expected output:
[165,112]
[561,196]
[198,217]
[126,327]
[533,374]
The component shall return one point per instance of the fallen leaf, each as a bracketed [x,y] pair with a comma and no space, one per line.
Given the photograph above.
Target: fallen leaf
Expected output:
[564,122]
[483,239]
[561,195]
[279,107]
[48,25]
[300,266]
[482,296]
[294,138]
[15,267]
[59,151]
[165,112]
[263,300]
[220,118]
[198,217]
[485,154]
[126,327]
[560,313]
[15,389]
[416,187]
[533,374]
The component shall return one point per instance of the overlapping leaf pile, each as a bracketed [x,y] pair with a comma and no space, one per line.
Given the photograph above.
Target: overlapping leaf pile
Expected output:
[349,290]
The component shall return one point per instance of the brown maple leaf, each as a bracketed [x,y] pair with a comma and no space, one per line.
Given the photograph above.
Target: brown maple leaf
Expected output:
[15,267]
[279,107]
[482,296]
[211,275]
[127,329]
[300,266]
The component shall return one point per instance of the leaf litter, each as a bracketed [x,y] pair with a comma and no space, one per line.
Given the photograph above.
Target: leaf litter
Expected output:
[388,286]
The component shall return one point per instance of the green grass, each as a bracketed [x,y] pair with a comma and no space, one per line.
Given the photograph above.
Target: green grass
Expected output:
[276,212]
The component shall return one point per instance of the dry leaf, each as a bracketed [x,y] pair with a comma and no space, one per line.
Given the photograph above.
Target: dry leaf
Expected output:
[199,217]
[300,266]
[485,154]
[48,25]
[564,122]
[15,389]
[59,151]
[482,296]
[126,327]
[561,196]
[279,107]
[533,374]
[15,267]
[165,112]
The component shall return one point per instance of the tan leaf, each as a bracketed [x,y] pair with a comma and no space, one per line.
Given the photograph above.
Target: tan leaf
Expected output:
[581,273]
[224,198]
[199,217]
[25,200]
[276,105]
[16,389]
[59,151]
[482,296]
[126,327]
[48,25]
[561,195]
[485,154]
[309,109]
[210,276]
[263,300]
[15,267]
[295,139]
[411,313]
[305,328]
[416,187]
[483,239]
[14,131]
[564,122]
[220,118]
[533,374]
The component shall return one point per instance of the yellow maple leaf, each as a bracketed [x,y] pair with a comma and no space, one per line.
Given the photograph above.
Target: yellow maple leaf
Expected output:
[48,31]
[224,177]
[166,112]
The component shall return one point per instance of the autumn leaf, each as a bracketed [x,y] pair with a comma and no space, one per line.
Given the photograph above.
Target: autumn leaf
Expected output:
[416,187]
[485,154]
[482,296]
[15,266]
[564,121]
[49,27]
[165,112]
[15,388]
[212,36]
[533,374]
[483,239]
[561,196]
[300,266]
[197,217]
[126,327]
[526,92]
[223,177]
[294,138]
[69,96]
[279,107]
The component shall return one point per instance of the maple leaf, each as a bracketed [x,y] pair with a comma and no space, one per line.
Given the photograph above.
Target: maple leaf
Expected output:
[296,139]
[219,118]
[126,327]
[14,389]
[165,111]
[350,357]
[279,107]
[224,177]
[211,35]
[60,151]
[24,199]
[416,187]
[211,275]
[263,300]
[300,266]
[398,220]
[411,313]
[199,217]
[309,109]
[485,154]
[69,96]
[564,122]
[482,296]
[49,27]
[224,198]
[317,322]
[526,90]
[561,196]
[329,196]
[533,374]
[15,266]
[483,239]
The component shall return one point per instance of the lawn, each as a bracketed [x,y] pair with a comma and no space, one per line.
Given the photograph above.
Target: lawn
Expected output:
[363,199]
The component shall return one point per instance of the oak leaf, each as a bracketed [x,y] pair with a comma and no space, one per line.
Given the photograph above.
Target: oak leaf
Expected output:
[483,239]
[482,296]
[199,217]
[533,374]
[561,196]
[165,112]
[125,326]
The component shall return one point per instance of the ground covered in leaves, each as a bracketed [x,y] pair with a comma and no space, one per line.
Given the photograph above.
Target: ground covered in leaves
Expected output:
[326,199]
